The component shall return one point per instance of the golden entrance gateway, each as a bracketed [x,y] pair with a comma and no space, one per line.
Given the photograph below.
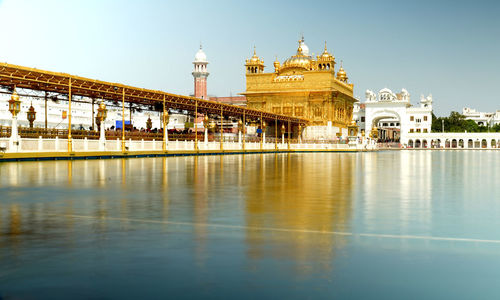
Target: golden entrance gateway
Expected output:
[48,143]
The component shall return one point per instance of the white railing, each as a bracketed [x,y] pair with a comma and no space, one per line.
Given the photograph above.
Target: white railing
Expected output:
[26,145]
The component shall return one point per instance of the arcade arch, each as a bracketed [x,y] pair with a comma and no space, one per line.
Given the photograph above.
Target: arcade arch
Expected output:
[388,124]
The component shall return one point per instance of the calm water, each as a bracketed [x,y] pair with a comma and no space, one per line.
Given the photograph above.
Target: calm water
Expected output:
[388,225]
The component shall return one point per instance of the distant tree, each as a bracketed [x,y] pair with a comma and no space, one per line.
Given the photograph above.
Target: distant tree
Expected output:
[471,126]
[436,123]
[456,122]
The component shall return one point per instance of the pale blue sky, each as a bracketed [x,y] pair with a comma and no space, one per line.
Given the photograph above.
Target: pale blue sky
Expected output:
[447,48]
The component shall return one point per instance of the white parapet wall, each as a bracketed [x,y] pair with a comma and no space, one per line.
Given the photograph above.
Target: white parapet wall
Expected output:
[32,145]
[452,140]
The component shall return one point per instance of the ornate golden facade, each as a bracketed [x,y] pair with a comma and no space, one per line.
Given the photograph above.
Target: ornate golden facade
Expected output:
[302,86]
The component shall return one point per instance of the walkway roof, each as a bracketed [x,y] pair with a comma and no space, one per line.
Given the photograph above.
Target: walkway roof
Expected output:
[40,80]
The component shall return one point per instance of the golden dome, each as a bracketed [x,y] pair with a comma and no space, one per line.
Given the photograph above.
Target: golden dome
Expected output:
[14,96]
[341,74]
[255,58]
[296,61]
[299,60]
[327,56]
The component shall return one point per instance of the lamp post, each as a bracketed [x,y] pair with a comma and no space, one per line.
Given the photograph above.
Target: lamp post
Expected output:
[264,125]
[149,123]
[283,129]
[14,108]
[221,128]
[288,136]
[240,129]
[276,134]
[166,119]
[300,133]
[102,113]
[31,115]
[206,123]
[374,135]
[352,130]
[243,132]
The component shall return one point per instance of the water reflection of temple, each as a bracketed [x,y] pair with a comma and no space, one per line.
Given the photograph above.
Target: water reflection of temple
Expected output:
[300,194]
[256,191]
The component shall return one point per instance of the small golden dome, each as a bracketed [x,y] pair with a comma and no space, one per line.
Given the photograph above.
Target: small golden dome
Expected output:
[255,58]
[327,56]
[341,74]
[276,65]
[102,105]
[299,50]
[14,96]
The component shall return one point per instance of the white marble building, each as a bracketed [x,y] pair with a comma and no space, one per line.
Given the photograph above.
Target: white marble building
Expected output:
[393,114]
[482,118]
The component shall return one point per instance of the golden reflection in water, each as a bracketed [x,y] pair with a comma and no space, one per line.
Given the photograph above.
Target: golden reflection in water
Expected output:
[200,207]
[164,185]
[15,220]
[298,194]
[124,211]
[277,191]
[70,172]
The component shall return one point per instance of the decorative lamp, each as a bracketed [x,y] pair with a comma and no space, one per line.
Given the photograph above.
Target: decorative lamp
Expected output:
[166,117]
[352,128]
[211,125]
[14,103]
[283,129]
[206,122]
[374,133]
[240,125]
[31,115]
[149,123]
[102,112]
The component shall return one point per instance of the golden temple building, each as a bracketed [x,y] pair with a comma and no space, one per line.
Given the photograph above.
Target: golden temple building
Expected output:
[302,86]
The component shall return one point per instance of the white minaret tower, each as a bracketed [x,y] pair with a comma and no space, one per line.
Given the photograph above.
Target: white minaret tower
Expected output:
[200,74]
